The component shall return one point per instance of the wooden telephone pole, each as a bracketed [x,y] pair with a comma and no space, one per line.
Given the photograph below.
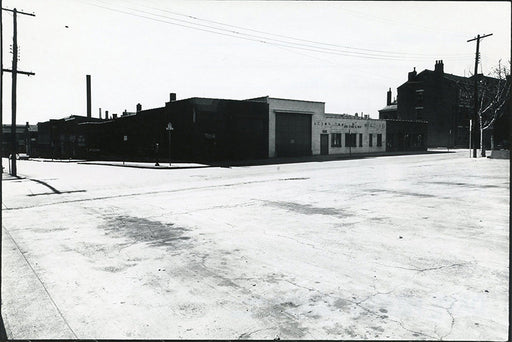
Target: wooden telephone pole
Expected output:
[474,127]
[14,71]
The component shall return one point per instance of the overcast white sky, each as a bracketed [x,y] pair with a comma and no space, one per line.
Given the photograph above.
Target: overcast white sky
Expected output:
[346,54]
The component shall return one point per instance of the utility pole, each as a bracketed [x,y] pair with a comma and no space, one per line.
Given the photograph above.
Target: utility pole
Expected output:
[475,94]
[14,71]
[3,334]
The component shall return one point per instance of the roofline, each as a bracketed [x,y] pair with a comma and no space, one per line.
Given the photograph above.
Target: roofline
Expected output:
[349,116]
[421,121]
[283,99]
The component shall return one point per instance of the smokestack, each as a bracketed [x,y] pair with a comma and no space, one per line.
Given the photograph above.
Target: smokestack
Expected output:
[139,107]
[388,102]
[172,97]
[106,114]
[100,112]
[88,81]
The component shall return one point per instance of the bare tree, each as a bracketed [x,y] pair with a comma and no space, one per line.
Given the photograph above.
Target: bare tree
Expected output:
[494,94]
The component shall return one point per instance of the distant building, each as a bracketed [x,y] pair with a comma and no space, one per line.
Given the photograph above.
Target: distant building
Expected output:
[391,109]
[62,138]
[406,135]
[26,139]
[209,130]
[204,129]
[443,100]
[302,128]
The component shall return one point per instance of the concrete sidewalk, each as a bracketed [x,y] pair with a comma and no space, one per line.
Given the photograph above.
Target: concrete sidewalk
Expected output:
[38,316]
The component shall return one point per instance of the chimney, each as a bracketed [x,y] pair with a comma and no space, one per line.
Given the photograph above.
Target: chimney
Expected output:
[439,67]
[88,84]
[172,97]
[106,114]
[139,107]
[388,101]
[100,112]
[412,74]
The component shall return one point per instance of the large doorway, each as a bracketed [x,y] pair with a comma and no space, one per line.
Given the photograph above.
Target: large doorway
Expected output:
[293,134]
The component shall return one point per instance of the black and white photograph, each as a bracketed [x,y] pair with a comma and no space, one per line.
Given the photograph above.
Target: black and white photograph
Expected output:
[255,170]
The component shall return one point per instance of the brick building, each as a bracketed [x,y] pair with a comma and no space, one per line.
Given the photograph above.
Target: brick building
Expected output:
[443,100]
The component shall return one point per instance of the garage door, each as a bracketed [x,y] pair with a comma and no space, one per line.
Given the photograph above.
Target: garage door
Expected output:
[293,134]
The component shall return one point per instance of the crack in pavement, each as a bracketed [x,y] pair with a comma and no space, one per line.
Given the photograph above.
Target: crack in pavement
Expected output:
[424,269]
[358,304]
[247,335]
[371,296]
[448,310]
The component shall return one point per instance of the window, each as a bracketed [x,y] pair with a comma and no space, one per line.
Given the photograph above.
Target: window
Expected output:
[360,139]
[379,140]
[350,139]
[370,140]
[336,140]
[419,98]
[419,114]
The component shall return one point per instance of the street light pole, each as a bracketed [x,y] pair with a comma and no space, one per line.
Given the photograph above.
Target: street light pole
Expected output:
[169,130]
[156,155]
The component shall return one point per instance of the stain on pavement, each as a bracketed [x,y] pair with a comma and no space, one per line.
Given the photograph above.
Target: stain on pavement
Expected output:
[306,209]
[154,233]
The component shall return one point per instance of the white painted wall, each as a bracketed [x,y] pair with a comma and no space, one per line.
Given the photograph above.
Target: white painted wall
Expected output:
[322,123]
[315,109]
[332,123]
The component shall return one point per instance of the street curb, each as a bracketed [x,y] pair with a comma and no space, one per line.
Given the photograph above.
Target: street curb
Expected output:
[149,166]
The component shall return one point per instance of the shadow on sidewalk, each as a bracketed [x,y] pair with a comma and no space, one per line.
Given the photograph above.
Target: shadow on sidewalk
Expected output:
[3,333]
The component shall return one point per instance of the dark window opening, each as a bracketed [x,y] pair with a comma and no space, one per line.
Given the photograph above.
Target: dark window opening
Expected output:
[419,98]
[350,139]
[336,140]
[379,140]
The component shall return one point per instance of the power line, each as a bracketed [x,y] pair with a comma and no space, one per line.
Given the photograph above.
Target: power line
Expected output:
[297,39]
[264,40]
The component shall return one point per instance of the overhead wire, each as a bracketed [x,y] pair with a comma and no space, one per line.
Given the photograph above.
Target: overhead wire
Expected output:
[250,37]
[298,39]
[263,39]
